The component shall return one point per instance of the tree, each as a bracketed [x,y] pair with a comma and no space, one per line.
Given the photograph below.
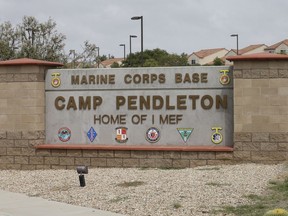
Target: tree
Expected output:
[103,58]
[87,58]
[115,65]
[155,58]
[7,41]
[218,61]
[151,63]
[32,39]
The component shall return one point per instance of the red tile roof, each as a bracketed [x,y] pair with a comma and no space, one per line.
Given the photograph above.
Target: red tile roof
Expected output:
[27,61]
[274,46]
[258,56]
[108,62]
[248,48]
[206,52]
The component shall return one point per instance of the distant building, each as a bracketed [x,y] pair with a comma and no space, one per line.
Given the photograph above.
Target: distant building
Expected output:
[206,56]
[278,48]
[107,63]
[252,49]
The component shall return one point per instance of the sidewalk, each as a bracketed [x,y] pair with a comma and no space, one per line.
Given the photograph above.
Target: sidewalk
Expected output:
[14,204]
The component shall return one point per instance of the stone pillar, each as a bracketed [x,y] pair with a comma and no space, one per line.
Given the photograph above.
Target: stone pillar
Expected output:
[22,111]
[260,108]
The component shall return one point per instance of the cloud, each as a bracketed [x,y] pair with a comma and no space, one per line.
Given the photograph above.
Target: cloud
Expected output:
[176,26]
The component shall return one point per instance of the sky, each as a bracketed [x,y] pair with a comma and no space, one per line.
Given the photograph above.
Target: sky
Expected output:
[176,26]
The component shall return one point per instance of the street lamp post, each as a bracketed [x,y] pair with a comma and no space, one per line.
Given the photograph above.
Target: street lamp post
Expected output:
[98,57]
[236,35]
[141,18]
[124,50]
[72,52]
[131,36]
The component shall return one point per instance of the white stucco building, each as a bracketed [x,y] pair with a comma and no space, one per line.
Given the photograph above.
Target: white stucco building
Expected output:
[252,49]
[278,48]
[206,56]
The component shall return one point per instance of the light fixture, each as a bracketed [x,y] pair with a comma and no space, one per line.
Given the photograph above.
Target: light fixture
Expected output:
[82,170]
[140,18]
[131,36]
[124,50]
[98,60]
[236,35]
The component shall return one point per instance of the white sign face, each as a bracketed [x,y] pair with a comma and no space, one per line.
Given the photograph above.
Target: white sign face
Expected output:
[177,106]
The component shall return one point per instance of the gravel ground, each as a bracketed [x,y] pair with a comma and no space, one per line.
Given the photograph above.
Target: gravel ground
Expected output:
[132,191]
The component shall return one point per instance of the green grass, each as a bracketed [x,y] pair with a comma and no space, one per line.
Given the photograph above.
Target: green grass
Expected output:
[245,210]
[217,184]
[177,205]
[131,184]
[171,168]
[144,168]
[209,168]
[281,187]
[276,197]
[162,168]
[254,197]
[118,199]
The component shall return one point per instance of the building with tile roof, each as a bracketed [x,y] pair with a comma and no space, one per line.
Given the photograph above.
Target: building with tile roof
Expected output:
[107,63]
[280,47]
[251,49]
[206,56]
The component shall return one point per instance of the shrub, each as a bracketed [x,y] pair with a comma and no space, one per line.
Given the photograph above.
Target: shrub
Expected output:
[277,212]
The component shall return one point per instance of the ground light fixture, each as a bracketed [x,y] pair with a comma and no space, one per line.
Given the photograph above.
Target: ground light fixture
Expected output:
[82,170]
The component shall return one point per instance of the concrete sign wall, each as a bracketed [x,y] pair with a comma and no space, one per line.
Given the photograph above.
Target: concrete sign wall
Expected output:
[177,106]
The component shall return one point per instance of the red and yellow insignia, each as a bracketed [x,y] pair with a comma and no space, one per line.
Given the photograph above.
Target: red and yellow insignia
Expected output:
[121,134]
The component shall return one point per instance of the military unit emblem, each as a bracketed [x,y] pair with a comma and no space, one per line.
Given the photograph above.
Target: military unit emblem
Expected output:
[224,78]
[56,82]
[153,135]
[91,134]
[216,136]
[185,133]
[121,134]
[64,134]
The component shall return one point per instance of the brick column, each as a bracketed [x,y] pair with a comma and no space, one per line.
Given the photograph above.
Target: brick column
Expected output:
[260,108]
[22,112]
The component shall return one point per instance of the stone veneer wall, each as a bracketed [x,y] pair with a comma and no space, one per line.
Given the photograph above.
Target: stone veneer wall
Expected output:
[22,128]
[260,119]
[22,114]
[261,111]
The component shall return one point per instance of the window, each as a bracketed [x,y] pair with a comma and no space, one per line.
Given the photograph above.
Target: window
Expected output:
[193,61]
[282,51]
